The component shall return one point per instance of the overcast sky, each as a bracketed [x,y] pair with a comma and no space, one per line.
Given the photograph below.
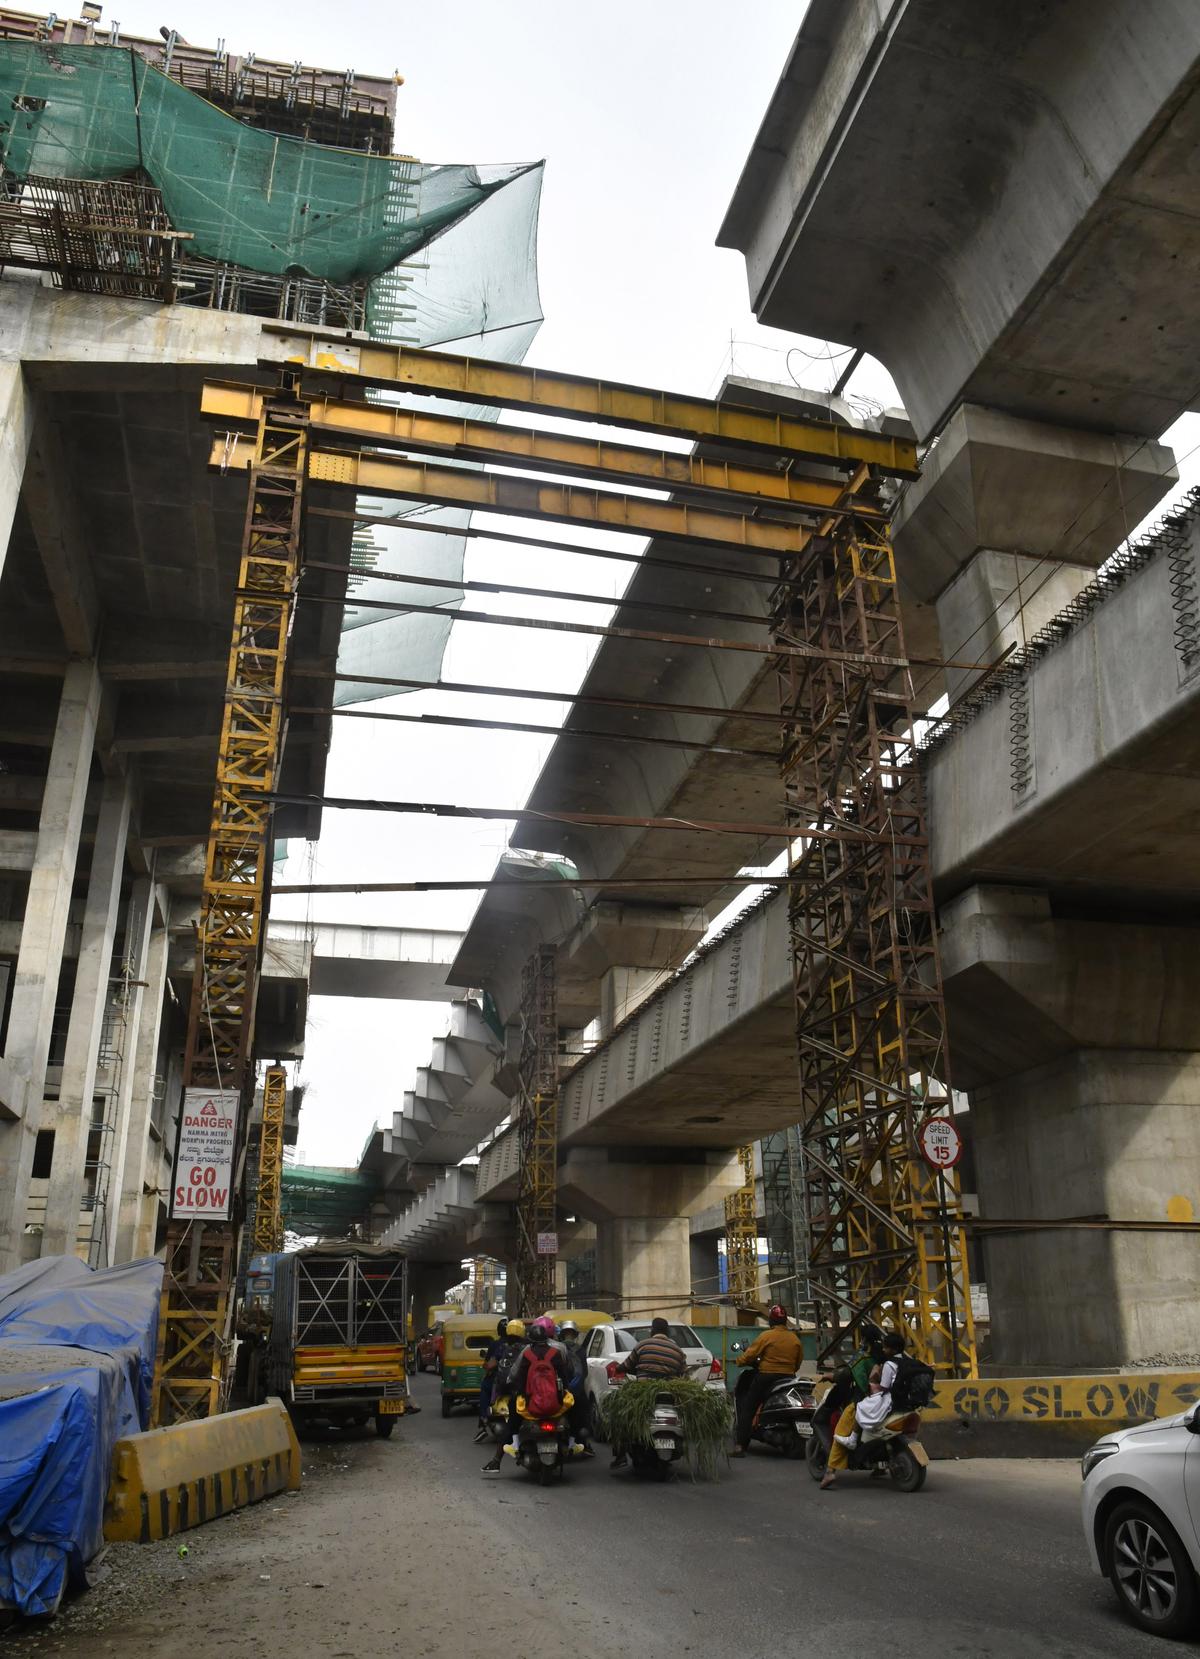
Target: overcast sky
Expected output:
[644,113]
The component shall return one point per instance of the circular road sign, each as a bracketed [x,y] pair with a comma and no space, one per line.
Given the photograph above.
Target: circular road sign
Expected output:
[941,1143]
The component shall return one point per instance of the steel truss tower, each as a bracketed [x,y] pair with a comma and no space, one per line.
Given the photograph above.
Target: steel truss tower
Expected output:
[885,1233]
[195,1310]
[537,1131]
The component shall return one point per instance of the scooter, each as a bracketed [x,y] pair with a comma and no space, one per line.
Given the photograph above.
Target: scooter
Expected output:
[784,1420]
[667,1444]
[892,1449]
[544,1443]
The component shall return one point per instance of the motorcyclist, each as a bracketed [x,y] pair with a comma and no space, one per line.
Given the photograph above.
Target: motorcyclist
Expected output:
[539,1344]
[487,1388]
[869,1412]
[576,1377]
[777,1353]
[506,1359]
[657,1355]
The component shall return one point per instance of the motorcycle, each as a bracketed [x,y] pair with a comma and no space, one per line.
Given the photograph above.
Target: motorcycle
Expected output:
[892,1449]
[667,1444]
[784,1420]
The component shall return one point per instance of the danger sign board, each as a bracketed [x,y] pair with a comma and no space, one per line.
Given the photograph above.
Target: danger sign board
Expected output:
[547,1244]
[941,1143]
[204,1161]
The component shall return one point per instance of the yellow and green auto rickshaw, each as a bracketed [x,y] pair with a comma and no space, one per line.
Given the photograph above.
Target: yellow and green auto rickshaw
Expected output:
[465,1336]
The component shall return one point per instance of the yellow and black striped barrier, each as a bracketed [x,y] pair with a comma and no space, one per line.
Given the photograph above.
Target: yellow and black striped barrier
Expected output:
[168,1480]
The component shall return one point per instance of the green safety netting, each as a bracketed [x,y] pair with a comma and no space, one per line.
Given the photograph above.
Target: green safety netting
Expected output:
[272,204]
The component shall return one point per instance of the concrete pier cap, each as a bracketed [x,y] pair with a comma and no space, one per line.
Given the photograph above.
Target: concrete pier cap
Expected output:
[1078,1043]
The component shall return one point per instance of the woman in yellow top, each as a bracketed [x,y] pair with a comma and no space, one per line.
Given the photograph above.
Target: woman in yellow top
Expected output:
[778,1352]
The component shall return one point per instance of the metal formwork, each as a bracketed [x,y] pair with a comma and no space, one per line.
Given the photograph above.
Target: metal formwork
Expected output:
[741,1234]
[268,1209]
[194,1313]
[537,1130]
[885,1234]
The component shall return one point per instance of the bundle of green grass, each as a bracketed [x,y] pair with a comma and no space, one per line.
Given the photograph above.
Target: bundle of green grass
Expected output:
[705,1417]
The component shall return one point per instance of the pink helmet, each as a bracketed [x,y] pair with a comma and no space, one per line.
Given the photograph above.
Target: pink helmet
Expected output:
[542,1327]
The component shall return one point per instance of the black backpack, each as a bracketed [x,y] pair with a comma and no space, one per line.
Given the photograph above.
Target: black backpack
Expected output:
[912,1389]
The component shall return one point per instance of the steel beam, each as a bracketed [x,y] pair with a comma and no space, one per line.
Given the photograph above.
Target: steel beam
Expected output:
[512,386]
[372,474]
[453,439]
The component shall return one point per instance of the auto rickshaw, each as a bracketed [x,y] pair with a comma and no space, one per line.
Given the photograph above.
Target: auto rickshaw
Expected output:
[465,1336]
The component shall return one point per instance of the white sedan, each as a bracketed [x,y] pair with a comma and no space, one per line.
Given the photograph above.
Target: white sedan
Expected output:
[1141,1520]
[606,1348]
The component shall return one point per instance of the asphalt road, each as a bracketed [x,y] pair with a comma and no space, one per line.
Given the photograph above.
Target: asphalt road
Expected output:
[403,1547]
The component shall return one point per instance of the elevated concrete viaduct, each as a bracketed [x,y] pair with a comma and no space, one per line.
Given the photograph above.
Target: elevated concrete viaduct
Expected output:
[997,202]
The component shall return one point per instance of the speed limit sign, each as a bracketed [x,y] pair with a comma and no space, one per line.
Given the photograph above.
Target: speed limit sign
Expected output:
[941,1143]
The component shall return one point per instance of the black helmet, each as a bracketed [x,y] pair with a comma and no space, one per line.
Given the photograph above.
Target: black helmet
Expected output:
[501,1327]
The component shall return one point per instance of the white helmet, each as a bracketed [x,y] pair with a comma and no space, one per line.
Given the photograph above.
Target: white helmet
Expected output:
[568,1325]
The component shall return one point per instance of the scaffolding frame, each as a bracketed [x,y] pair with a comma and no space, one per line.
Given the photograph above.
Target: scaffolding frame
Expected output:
[885,1235]
[189,1378]
[267,1233]
[537,1132]
[741,1234]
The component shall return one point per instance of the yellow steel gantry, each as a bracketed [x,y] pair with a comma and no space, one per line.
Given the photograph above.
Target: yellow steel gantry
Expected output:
[871,1036]
[741,1235]
[197,1281]
[268,1205]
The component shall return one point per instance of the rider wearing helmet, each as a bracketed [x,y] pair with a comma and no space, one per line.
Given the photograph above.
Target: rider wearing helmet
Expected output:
[777,1353]
[576,1377]
[539,1343]
[487,1388]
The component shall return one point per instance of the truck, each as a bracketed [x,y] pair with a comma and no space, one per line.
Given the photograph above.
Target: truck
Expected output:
[324,1329]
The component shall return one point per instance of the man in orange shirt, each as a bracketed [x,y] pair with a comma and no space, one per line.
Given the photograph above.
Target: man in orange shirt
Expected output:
[778,1353]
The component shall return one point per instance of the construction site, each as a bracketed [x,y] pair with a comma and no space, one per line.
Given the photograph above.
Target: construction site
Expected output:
[774,809]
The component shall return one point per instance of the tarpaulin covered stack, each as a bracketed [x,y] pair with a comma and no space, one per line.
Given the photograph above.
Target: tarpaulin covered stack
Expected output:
[76,1365]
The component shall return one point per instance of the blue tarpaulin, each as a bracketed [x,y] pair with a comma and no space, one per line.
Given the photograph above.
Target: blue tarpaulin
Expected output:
[76,1363]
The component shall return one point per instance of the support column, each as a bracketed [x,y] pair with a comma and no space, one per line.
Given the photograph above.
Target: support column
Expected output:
[622,992]
[138,928]
[135,1238]
[16,434]
[43,932]
[1077,1042]
[71,1120]
[640,1200]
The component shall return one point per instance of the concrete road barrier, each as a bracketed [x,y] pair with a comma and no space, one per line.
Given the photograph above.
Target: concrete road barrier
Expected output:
[1049,1416]
[167,1480]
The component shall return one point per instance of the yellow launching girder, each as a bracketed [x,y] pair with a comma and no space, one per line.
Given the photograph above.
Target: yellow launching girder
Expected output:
[608,402]
[450,438]
[373,474]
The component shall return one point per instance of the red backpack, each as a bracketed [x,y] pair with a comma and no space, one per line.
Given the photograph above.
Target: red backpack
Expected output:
[543,1392]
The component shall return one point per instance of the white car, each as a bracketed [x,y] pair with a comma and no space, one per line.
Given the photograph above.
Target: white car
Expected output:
[606,1348]
[1141,1519]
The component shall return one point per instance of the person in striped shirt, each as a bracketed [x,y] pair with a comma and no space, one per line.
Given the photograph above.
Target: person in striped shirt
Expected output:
[657,1355]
